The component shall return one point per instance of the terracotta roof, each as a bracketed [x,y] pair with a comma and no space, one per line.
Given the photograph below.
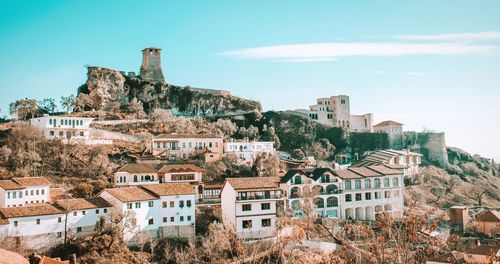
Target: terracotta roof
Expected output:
[130,194]
[365,172]
[58,193]
[10,185]
[347,174]
[254,183]
[181,168]
[82,204]
[3,220]
[484,249]
[137,168]
[47,260]
[388,123]
[31,181]
[166,189]
[384,170]
[213,185]
[30,210]
[9,257]
[186,136]
[488,216]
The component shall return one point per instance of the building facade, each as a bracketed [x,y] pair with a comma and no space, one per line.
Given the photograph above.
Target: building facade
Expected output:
[250,206]
[177,147]
[184,173]
[406,160]
[135,174]
[151,65]
[394,130]
[19,192]
[246,151]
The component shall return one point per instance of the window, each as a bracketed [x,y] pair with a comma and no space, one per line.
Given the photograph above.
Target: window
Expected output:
[265,206]
[84,212]
[32,192]
[15,223]
[129,206]
[386,182]
[188,203]
[247,224]
[358,197]
[96,211]
[37,192]
[172,204]
[43,191]
[348,198]
[357,184]
[368,183]
[266,222]
[105,210]
[172,219]
[396,193]
[368,196]
[347,185]
[183,177]
[150,221]
[75,213]
[37,221]
[81,133]
[164,219]
[181,218]
[59,234]
[59,219]
[189,218]
[164,204]
[26,193]
[377,195]
[246,207]
[78,229]
[137,205]
[8,195]
[181,204]
[151,203]
[14,195]
[395,182]
[377,183]
[387,194]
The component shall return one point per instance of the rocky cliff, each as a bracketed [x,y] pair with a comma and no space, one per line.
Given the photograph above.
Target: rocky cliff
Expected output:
[106,86]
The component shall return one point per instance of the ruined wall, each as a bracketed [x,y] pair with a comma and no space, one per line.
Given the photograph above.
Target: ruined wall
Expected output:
[431,145]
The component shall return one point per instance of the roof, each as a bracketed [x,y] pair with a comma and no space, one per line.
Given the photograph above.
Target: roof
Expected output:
[3,220]
[151,48]
[166,189]
[347,174]
[444,258]
[9,257]
[48,260]
[484,250]
[365,172]
[313,173]
[388,123]
[32,181]
[213,185]
[30,210]
[130,194]
[137,168]
[488,216]
[82,204]
[58,193]
[382,157]
[181,168]
[10,185]
[167,136]
[384,170]
[249,183]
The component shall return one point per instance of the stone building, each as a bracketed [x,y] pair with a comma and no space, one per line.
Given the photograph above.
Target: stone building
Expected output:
[151,65]
[430,144]
[394,130]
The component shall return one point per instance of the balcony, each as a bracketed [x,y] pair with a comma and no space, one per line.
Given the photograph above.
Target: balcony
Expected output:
[301,182]
[258,197]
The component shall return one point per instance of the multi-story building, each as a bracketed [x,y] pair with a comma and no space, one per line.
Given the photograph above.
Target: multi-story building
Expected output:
[394,130]
[185,147]
[335,111]
[183,173]
[19,192]
[354,193]
[250,205]
[154,210]
[135,174]
[246,151]
[406,160]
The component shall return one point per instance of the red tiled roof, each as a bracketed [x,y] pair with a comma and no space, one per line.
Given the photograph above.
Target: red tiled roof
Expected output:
[32,181]
[137,168]
[488,216]
[30,210]
[181,168]
[365,172]
[388,123]
[130,194]
[10,185]
[47,260]
[384,170]
[82,204]
[254,183]
[166,189]
[484,250]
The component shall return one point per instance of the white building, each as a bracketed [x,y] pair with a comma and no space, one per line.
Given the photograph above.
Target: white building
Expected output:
[155,210]
[187,146]
[335,111]
[246,151]
[250,206]
[183,173]
[394,131]
[23,191]
[68,129]
[406,160]
[355,193]
[135,174]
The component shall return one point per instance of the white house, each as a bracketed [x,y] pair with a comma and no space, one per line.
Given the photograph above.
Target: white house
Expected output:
[154,210]
[246,151]
[135,174]
[187,146]
[394,130]
[67,128]
[19,192]
[406,160]
[183,173]
[354,193]
[250,205]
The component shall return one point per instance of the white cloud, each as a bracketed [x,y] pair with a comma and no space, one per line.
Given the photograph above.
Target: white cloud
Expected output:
[492,35]
[416,74]
[334,50]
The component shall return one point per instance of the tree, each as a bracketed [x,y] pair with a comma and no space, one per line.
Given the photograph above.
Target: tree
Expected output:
[135,107]
[476,192]
[298,154]
[47,105]
[24,108]
[68,102]
[266,165]
[225,126]
[251,132]
[160,115]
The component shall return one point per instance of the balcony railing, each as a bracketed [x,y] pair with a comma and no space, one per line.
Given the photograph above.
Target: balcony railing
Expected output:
[258,197]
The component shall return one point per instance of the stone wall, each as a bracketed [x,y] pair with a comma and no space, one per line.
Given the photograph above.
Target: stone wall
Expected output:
[432,145]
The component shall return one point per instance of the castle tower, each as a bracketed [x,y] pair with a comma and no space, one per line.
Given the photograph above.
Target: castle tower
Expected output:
[151,65]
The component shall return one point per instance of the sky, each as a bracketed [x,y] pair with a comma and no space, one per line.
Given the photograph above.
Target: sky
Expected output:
[431,65]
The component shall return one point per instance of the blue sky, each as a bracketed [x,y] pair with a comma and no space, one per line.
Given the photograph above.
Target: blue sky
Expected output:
[428,64]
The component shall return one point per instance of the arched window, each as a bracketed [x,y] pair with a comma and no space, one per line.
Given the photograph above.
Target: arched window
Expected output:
[347,185]
[297,179]
[135,178]
[332,202]
[386,182]
[377,183]
[331,189]
[357,184]
[395,182]
[320,203]
[295,192]
[368,183]
[295,204]
[318,190]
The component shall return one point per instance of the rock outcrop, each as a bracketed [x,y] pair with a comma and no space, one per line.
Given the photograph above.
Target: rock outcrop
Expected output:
[106,85]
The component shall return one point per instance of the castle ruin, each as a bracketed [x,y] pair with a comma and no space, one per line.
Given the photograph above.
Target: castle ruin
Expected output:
[151,65]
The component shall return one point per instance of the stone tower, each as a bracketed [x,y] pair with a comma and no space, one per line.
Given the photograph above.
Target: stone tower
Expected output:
[151,65]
